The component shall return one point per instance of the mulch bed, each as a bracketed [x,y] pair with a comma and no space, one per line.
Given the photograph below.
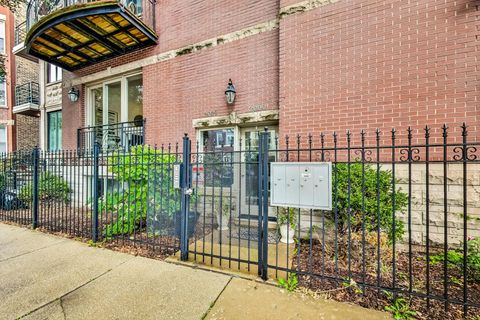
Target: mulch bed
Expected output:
[313,261]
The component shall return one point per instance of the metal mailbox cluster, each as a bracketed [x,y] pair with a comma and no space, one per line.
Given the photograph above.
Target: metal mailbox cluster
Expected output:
[306,185]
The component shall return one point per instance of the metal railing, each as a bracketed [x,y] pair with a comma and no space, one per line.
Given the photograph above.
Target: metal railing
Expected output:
[110,137]
[404,221]
[38,9]
[20,32]
[27,93]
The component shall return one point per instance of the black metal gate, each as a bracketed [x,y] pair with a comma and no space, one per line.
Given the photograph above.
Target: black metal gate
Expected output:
[213,183]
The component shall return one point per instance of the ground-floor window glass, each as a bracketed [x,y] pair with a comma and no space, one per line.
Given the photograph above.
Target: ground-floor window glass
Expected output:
[217,152]
[116,112]
[3,139]
[54,131]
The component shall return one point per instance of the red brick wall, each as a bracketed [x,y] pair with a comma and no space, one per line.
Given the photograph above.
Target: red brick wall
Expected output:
[349,65]
[6,113]
[73,114]
[182,23]
[187,87]
[362,65]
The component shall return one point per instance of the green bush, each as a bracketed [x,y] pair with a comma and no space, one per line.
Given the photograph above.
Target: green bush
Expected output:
[146,176]
[369,214]
[455,258]
[51,187]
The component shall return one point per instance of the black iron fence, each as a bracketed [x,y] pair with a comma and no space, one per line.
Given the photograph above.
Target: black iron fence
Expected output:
[403,223]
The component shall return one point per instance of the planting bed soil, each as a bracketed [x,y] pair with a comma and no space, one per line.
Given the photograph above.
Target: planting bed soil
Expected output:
[324,267]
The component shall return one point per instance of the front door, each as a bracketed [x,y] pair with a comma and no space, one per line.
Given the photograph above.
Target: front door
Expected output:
[249,175]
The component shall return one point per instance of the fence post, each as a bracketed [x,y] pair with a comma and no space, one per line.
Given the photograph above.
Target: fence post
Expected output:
[263,203]
[35,181]
[185,198]
[96,152]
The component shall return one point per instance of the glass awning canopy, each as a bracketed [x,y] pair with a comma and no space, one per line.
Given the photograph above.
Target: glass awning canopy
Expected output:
[83,34]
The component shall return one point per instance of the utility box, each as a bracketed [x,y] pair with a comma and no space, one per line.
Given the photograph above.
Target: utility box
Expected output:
[306,185]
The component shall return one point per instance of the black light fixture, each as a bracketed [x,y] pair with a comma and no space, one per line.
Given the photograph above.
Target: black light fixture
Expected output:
[73,94]
[230,92]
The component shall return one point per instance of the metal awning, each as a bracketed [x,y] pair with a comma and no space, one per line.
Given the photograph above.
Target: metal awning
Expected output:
[84,34]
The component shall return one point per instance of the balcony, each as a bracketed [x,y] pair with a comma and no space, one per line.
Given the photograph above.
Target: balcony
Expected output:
[112,137]
[19,42]
[27,99]
[73,34]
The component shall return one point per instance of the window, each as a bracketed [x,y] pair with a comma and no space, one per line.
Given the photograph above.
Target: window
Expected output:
[3,91]
[3,139]
[54,73]
[2,36]
[54,124]
[116,109]
[117,101]
[218,147]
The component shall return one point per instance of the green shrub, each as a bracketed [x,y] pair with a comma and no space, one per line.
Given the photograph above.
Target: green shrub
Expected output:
[146,175]
[455,258]
[369,195]
[51,187]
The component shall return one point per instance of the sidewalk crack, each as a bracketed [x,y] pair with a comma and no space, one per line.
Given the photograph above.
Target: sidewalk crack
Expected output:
[63,309]
[216,299]
[74,289]
[38,249]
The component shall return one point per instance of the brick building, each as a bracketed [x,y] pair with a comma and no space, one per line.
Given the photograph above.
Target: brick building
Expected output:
[298,66]
[18,130]
[7,84]
[146,71]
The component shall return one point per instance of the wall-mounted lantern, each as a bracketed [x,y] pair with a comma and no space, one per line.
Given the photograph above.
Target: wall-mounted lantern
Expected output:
[230,92]
[73,94]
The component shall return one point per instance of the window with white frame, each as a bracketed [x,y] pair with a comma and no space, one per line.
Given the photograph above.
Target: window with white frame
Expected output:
[2,35]
[115,107]
[3,139]
[54,73]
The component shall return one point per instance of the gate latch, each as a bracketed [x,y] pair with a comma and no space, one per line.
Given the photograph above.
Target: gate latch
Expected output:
[189,192]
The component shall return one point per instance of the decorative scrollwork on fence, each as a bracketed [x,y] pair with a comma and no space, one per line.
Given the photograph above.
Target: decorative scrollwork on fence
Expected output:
[364,155]
[467,153]
[409,154]
[324,156]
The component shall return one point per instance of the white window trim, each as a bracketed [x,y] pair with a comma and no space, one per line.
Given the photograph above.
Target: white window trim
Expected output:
[90,118]
[47,72]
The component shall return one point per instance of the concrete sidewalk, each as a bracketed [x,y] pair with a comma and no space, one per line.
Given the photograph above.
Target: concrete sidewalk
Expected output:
[48,277]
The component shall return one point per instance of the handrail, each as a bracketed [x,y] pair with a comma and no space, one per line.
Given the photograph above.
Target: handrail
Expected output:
[20,32]
[122,135]
[27,93]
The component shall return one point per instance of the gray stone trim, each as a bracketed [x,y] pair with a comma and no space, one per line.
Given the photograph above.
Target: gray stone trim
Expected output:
[236,119]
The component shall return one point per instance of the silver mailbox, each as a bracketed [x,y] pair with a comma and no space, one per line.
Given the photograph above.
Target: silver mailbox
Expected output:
[305,185]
